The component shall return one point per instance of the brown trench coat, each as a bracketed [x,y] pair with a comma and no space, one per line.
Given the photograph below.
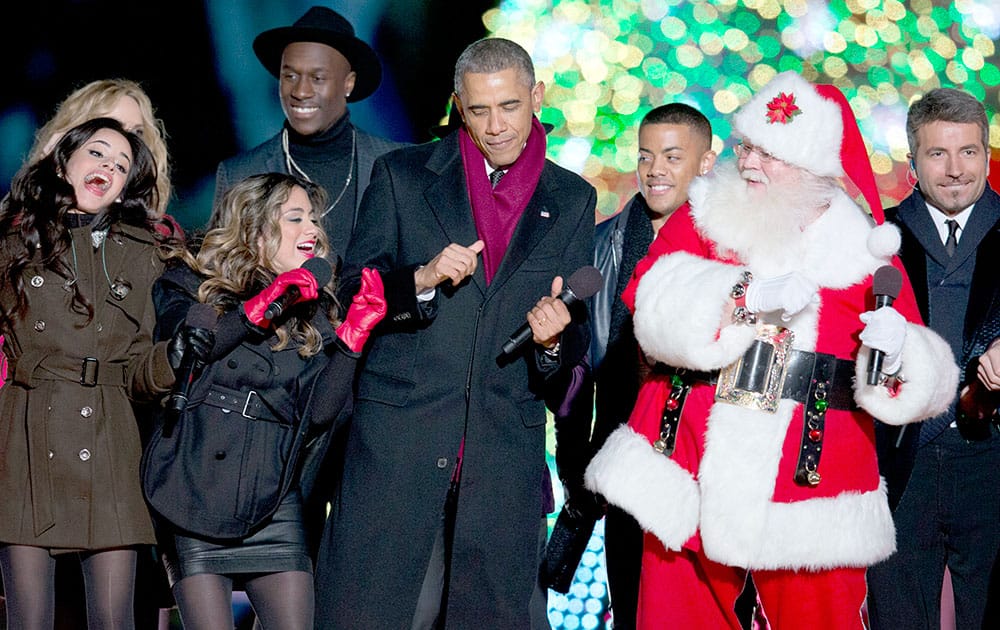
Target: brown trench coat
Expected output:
[69,452]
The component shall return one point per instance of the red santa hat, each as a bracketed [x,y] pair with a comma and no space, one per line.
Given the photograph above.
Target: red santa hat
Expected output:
[812,127]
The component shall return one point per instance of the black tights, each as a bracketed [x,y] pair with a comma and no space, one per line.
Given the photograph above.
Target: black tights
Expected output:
[29,586]
[280,600]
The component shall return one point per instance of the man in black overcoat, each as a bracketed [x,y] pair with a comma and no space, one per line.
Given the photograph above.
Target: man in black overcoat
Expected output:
[445,487]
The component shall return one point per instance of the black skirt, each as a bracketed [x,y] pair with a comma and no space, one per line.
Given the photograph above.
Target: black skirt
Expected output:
[279,546]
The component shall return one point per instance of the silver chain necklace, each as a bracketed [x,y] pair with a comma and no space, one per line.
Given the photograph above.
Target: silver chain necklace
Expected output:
[295,169]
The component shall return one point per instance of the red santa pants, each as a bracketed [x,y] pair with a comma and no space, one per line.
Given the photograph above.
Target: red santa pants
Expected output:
[687,590]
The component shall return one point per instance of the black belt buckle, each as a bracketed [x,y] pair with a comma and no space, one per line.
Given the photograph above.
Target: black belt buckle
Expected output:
[756,379]
[246,405]
[88,372]
[255,408]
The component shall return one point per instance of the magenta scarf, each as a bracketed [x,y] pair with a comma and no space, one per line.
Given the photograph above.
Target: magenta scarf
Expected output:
[497,210]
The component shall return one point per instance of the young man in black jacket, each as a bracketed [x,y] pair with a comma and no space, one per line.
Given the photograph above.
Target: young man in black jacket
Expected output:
[675,146]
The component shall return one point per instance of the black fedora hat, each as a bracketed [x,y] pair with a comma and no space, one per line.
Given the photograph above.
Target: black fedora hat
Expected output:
[324,26]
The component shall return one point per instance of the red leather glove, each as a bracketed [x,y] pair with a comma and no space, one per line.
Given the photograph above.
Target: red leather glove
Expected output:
[367,309]
[300,278]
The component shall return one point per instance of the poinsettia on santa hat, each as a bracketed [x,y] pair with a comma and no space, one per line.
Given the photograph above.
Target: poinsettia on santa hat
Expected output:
[790,120]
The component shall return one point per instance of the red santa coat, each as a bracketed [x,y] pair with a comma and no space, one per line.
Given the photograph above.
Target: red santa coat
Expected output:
[729,485]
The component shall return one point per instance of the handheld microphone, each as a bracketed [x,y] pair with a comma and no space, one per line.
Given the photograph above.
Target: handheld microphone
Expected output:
[585,282]
[885,286]
[201,320]
[320,268]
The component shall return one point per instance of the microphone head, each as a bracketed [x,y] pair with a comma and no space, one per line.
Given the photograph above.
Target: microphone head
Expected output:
[201,316]
[585,282]
[321,269]
[887,281]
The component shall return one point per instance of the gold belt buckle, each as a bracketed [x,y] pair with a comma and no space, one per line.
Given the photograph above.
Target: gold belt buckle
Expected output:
[765,398]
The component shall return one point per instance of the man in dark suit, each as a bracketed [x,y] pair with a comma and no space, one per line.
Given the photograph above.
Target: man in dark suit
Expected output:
[445,488]
[944,476]
[321,67]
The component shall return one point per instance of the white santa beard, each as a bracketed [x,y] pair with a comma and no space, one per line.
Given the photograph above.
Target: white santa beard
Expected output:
[762,225]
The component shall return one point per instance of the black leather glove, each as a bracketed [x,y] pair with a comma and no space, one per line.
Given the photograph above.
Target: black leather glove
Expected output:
[581,502]
[199,341]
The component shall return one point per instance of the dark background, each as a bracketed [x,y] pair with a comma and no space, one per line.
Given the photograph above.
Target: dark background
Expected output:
[194,59]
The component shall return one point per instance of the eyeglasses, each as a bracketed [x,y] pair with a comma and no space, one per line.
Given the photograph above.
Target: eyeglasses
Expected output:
[744,149]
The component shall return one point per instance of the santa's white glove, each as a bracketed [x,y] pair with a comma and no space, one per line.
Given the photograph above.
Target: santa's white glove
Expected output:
[789,294]
[885,330]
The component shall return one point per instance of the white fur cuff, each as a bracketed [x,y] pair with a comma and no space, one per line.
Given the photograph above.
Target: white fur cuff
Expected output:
[930,374]
[662,496]
[679,305]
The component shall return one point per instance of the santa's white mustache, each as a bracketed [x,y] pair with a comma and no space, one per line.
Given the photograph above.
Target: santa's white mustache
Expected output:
[757,177]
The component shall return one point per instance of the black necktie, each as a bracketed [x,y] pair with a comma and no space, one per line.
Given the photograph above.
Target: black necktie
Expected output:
[952,241]
[495,177]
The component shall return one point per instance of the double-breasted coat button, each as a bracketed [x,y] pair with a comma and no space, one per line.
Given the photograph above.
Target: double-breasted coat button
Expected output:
[84,454]
[442,462]
[86,412]
[37,281]
[39,325]
[51,454]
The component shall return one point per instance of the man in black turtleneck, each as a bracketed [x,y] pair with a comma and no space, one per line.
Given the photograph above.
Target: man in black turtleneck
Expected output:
[320,66]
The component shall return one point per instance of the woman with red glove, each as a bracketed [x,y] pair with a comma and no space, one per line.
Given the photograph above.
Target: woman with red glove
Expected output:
[224,476]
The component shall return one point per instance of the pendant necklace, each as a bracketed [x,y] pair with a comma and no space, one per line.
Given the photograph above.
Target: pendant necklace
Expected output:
[120,288]
[294,169]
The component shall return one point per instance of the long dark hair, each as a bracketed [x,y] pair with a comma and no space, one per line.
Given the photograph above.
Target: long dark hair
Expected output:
[33,215]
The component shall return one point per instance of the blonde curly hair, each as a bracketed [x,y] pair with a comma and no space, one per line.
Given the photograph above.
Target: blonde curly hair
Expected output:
[95,100]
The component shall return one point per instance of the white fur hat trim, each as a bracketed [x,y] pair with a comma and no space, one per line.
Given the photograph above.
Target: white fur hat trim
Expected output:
[809,138]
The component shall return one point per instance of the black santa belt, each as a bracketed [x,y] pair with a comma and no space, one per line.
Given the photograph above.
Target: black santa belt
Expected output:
[769,371]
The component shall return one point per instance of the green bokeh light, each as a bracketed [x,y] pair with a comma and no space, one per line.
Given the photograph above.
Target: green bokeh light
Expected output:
[632,55]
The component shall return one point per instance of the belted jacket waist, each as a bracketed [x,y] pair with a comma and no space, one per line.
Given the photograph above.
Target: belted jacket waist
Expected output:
[801,368]
[88,371]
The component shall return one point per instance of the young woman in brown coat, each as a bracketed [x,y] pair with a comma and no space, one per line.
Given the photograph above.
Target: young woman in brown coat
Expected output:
[78,259]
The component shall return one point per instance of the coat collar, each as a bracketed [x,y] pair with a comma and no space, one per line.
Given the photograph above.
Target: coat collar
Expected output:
[981,238]
[913,213]
[448,197]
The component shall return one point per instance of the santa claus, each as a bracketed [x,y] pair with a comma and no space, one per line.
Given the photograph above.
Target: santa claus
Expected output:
[751,446]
